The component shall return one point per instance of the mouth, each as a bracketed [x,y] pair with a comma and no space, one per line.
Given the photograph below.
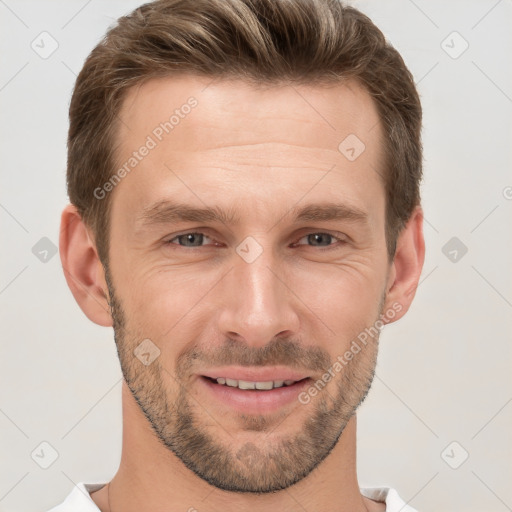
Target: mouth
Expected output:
[257,395]
[248,385]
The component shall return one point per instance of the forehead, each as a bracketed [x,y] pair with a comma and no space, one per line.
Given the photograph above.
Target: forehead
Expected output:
[227,105]
[207,136]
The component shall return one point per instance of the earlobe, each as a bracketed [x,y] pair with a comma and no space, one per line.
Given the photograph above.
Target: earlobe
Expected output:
[407,265]
[82,268]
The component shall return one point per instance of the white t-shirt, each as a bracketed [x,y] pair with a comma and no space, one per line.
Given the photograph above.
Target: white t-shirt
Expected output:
[79,500]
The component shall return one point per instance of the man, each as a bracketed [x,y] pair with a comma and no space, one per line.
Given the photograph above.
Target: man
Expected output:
[245,212]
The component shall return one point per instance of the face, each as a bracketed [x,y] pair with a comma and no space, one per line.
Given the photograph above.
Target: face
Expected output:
[267,287]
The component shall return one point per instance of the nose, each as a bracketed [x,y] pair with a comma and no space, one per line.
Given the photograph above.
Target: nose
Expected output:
[259,302]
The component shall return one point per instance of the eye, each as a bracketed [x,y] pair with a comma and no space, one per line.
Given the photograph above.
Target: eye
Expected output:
[192,239]
[197,239]
[321,239]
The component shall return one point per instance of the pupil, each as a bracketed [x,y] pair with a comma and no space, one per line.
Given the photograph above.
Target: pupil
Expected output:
[191,237]
[319,236]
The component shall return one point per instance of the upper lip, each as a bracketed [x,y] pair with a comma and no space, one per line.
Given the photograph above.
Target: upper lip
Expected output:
[266,374]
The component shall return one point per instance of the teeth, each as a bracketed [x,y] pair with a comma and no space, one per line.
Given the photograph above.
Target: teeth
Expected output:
[264,385]
[245,384]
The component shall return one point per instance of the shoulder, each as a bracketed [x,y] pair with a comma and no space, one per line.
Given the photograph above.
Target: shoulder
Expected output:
[79,499]
[388,496]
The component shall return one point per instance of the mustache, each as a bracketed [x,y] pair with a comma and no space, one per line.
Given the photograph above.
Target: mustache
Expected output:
[278,351]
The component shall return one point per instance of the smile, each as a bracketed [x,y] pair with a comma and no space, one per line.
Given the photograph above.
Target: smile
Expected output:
[259,385]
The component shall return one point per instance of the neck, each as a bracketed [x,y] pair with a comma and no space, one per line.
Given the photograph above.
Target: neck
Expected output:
[151,477]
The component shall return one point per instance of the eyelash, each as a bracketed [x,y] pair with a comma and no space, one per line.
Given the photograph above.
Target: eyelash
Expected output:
[341,241]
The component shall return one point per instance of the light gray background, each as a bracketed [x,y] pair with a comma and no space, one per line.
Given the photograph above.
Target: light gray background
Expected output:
[444,370]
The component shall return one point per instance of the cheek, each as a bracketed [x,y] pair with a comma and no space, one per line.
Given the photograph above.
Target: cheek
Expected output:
[163,300]
[345,298]
[334,300]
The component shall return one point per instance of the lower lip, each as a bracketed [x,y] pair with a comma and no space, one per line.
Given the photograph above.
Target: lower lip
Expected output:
[254,401]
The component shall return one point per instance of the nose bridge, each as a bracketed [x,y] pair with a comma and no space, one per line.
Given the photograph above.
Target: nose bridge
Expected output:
[259,306]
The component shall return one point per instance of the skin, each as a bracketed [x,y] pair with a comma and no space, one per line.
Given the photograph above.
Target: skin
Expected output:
[260,152]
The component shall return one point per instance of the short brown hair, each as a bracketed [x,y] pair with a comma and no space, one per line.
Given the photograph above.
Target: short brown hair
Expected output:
[294,41]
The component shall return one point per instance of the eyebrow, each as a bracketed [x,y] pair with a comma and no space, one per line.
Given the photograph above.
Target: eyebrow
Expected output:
[167,212]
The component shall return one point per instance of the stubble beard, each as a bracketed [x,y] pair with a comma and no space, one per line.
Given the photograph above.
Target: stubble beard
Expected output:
[257,466]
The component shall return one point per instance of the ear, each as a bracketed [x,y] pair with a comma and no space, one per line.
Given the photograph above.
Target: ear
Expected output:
[406,268]
[82,268]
